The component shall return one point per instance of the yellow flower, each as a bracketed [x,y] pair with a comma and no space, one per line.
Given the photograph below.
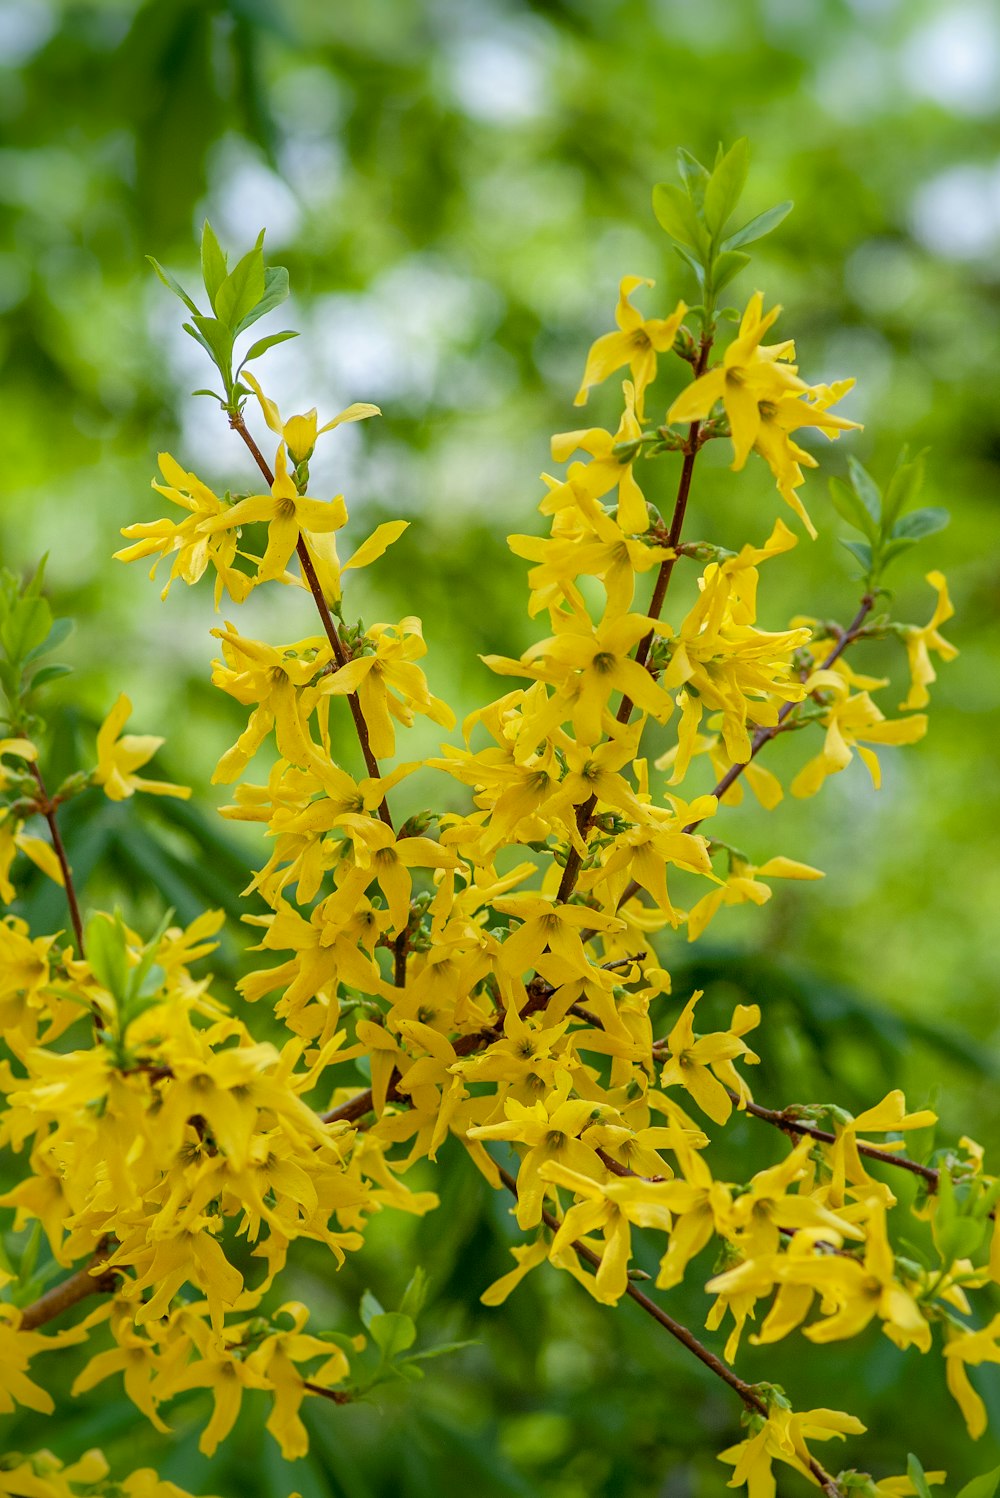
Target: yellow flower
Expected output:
[693,1060]
[921,641]
[851,722]
[119,758]
[390,665]
[745,882]
[299,433]
[636,344]
[288,515]
[747,375]
[194,549]
[782,1437]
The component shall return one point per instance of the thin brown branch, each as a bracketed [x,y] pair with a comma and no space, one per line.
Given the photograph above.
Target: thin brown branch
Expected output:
[48,811]
[746,1392]
[335,1396]
[784,1119]
[585,812]
[68,1293]
[329,624]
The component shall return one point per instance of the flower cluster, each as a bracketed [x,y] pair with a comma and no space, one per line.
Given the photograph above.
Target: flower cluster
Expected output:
[498,974]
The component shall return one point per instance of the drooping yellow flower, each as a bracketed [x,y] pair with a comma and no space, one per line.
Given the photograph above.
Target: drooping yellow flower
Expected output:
[118,758]
[920,641]
[851,722]
[299,433]
[636,344]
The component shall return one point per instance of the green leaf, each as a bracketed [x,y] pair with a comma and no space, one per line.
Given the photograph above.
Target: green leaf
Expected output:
[694,176]
[861,550]
[866,489]
[25,627]
[726,266]
[263,344]
[172,285]
[242,289]
[392,1332]
[894,549]
[725,186]
[415,1294]
[49,673]
[275,292]
[915,1473]
[759,226]
[693,262]
[213,262]
[920,523]
[440,1351]
[217,338]
[106,952]
[676,213]
[903,488]
[61,629]
[370,1308]
[982,1487]
[850,508]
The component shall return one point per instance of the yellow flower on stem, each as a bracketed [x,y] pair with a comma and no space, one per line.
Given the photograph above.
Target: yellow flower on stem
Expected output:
[299,433]
[390,665]
[194,549]
[637,343]
[779,418]
[920,642]
[288,515]
[118,758]
[747,375]
[693,1059]
[782,1437]
[851,722]
[745,882]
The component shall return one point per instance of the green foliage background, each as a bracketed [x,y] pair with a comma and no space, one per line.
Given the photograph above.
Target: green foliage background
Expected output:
[456,187]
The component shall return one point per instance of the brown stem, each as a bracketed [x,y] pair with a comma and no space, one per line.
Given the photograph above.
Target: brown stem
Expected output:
[747,1393]
[329,625]
[571,872]
[48,811]
[765,735]
[336,1396]
[72,1290]
[750,1398]
[783,1119]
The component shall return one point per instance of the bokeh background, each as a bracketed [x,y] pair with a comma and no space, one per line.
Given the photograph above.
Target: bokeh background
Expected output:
[456,187]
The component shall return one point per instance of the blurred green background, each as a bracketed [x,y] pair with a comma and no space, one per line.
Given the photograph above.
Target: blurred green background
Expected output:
[456,187]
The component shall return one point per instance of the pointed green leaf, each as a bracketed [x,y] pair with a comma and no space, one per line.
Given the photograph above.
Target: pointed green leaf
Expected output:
[725,186]
[370,1308]
[726,266]
[920,523]
[693,175]
[759,226]
[982,1487]
[849,507]
[49,673]
[392,1332]
[61,628]
[219,341]
[213,262]
[415,1294]
[917,1476]
[904,486]
[866,489]
[693,262]
[263,344]
[172,285]
[676,213]
[242,289]
[861,550]
[25,627]
[275,292]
